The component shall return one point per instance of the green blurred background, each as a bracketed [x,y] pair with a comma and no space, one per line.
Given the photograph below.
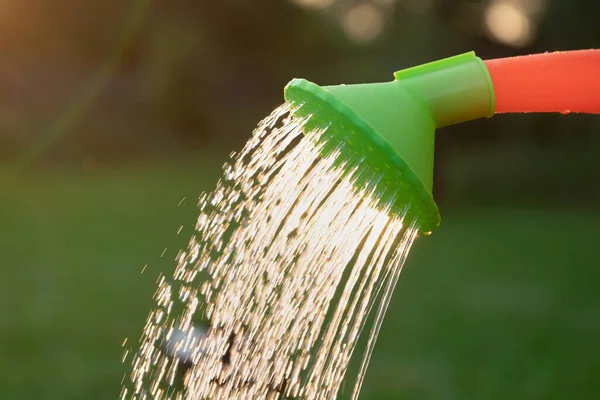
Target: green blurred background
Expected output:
[115,115]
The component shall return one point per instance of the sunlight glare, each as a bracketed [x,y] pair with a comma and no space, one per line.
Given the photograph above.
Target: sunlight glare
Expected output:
[364,23]
[508,23]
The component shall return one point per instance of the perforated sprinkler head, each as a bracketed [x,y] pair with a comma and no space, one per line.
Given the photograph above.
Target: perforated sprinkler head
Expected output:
[389,128]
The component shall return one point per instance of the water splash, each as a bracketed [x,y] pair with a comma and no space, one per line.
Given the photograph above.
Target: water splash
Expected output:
[289,260]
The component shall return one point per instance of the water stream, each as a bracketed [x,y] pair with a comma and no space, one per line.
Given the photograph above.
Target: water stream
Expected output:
[288,261]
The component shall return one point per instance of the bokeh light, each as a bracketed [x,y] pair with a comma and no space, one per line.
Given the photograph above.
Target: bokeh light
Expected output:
[509,23]
[363,23]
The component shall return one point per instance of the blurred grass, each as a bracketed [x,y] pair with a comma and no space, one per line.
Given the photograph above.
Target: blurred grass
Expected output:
[498,303]
[73,248]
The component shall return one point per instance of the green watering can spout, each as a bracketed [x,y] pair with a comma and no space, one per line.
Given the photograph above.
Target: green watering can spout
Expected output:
[390,127]
[383,133]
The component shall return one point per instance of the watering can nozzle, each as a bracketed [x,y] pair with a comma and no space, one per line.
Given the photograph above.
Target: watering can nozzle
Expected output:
[390,127]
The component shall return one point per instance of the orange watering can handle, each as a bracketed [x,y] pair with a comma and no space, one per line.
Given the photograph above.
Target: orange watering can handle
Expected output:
[565,82]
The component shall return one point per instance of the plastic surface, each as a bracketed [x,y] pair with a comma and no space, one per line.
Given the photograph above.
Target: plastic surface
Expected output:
[398,119]
[456,89]
[565,82]
[389,128]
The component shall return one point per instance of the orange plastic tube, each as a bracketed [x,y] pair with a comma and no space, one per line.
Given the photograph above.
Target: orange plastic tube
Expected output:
[565,82]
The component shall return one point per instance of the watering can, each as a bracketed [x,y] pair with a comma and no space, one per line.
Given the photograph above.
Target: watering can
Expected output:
[390,127]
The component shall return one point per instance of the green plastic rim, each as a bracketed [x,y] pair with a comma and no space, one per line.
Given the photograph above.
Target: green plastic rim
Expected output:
[363,153]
